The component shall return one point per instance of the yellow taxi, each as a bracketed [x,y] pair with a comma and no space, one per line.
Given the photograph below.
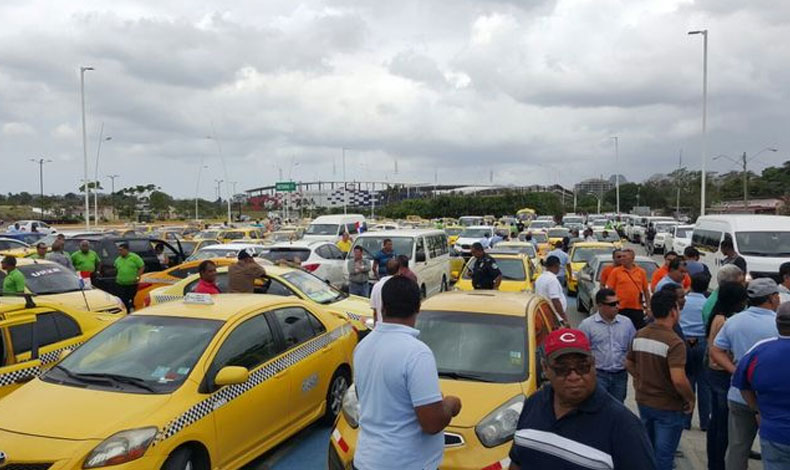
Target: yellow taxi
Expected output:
[457,262]
[453,232]
[244,233]
[610,236]
[282,281]
[15,248]
[486,347]
[523,248]
[541,240]
[580,253]
[516,272]
[556,234]
[33,334]
[154,280]
[52,282]
[205,383]
[208,234]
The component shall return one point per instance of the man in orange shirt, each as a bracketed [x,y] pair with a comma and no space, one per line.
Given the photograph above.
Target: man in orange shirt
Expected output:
[629,282]
[664,269]
[616,255]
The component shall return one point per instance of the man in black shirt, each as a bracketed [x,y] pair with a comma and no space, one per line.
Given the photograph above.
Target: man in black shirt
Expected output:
[732,256]
[485,272]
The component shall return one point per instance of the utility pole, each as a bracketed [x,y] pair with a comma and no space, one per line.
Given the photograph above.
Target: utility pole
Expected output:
[96,175]
[617,170]
[40,162]
[745,184]
[345,184]
[680,167]
[84,69]
[112,193]
[219,192]
[704,33]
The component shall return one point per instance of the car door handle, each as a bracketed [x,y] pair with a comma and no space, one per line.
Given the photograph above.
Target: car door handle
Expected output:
[281,374]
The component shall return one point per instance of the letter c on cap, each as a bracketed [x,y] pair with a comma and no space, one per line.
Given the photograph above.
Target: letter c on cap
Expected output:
[568,337]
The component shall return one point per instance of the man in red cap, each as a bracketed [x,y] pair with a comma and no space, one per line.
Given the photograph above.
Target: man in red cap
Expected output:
[571,423]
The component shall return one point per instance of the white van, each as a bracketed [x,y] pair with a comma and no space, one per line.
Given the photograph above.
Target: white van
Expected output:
[330,227]
[762,240]
[428,252]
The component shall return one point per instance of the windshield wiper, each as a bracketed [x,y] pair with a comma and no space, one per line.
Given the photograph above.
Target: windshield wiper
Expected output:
[81,377]
[124,379]
[462,376]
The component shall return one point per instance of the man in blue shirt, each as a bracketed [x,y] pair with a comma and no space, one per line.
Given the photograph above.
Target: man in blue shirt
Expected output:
[380,259]
[571,423]
[675,274]
[610,337]
[764,383]
[696,346]
[401,409]
[563,257]
[739,333]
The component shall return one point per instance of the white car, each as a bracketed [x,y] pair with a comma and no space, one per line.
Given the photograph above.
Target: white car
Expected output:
[226,250]
[28,225]
[322,258]
[680,238]
[472,235]
[663,236]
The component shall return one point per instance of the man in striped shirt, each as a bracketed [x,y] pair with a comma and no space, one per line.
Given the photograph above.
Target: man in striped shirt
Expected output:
[657,361]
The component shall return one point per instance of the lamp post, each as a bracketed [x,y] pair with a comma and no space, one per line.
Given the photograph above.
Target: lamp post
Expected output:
[704,33]
[221,159]
[96,174]
[345,184]
[40,162]
[617,171]
[197,190]
[744,160]
[84,69]
[598,198]
[219,194]
[112,191]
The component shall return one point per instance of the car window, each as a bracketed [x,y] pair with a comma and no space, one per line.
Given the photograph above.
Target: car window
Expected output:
[420,246]
[249,345]
[49,327]
[323,252]
[182,273]
[335,252]
[296,325]
[3,349]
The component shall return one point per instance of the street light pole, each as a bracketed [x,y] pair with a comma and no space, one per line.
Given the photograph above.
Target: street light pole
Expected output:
[84,69]
[112,192]
[345,185]
[704,33]
[197,190]
[219,193]
[617,171]
[40,162]
[96,175]
[745,174]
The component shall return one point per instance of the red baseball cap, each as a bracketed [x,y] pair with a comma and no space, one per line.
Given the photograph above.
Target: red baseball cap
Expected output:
[566,341]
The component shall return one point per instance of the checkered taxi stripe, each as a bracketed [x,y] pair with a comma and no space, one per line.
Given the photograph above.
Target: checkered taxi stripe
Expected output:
[33,371]
[220,398]
[160,299]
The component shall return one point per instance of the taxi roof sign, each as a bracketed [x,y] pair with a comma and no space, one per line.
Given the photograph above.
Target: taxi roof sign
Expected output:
[199,299]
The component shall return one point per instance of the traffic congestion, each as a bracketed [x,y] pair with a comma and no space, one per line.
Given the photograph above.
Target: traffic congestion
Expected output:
[345,342]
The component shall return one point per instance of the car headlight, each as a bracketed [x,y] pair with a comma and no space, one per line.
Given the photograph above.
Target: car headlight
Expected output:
[351,407]
[500,425]
[121,447]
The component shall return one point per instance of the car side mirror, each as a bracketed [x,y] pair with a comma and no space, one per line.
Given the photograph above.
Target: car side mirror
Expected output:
[231,375]
[420,257]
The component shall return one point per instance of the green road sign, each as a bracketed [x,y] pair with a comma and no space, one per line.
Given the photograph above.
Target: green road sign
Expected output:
[285,186]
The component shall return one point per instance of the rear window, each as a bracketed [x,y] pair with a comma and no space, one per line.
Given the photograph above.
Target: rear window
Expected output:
[288,254]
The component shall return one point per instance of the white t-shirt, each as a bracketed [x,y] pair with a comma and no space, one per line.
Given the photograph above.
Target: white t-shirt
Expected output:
[549,286]
[375,297]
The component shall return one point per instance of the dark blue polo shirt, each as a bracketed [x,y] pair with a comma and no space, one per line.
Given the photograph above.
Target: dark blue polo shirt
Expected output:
[600,434]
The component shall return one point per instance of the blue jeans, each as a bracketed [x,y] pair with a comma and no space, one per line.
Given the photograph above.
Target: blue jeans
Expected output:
[776,456]
[664,429]
[719,382]
[616,383]
[695,371]
[358,288]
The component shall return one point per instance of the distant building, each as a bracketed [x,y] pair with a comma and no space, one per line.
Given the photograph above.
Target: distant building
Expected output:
[613,179]
[597,186]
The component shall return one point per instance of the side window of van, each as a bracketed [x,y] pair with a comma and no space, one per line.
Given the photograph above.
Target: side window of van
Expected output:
[706,240]
[420,247]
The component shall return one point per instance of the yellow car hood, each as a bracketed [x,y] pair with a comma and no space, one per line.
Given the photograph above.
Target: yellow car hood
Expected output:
[352,304]
[67,412]
[478,399]
[97,300]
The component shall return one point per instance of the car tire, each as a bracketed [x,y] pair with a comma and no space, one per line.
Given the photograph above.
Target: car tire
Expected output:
[445,287]
[334,395]
[580,305]
[182,459]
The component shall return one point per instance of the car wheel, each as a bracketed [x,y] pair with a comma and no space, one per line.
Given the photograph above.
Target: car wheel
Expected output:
[444,287]
[580,305]
[181,459]
[334,395]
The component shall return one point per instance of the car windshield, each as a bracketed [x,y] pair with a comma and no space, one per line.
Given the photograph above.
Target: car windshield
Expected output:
[232,235]
[559,232]
[467,221]
[664,228]
[215,253]
[572,220]
[540,237]
[314,288]
[774,244]
[207,234]
[288,254]
[475,233]
[11,244]
[372,245]
[512,269]
[188,247]
[282,236]
[140,354]
[475,346]
[322,229]
[585,254]
[541,224]
[49,278]
[611,236]
[683,232]
[453,231]
[526,249]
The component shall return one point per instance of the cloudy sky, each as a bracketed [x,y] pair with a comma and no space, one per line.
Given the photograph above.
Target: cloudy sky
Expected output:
[532,90]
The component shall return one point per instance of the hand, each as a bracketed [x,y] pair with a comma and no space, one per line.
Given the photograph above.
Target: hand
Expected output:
[688,407]
[452,404]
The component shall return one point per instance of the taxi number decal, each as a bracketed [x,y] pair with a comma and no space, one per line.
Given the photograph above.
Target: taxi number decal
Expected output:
[229,393]
[44,272]
[309,383]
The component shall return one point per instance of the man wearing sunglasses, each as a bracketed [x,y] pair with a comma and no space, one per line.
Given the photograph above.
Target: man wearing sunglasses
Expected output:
[571,423]
[610,337]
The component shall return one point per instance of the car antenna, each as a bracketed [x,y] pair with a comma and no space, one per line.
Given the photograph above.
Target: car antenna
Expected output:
[29,300]
[84,297]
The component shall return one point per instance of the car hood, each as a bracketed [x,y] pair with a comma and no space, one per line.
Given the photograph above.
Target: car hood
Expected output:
[97,300]
[468,240]
[352,304]
[478,399]
[65,412]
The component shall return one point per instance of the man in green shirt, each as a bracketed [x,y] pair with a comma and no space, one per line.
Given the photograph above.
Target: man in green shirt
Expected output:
[41,251]
[85,261]
[14,282]
[128,269]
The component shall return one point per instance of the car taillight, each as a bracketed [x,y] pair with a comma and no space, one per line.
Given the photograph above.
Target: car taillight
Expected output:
[147,300]
[143,285]
[311,267]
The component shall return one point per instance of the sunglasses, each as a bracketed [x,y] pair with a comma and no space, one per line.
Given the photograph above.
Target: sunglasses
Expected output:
[564,370]
[611,304]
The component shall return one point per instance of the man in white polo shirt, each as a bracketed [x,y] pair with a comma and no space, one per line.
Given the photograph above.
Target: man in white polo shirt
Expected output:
[401,410]
[549,286]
